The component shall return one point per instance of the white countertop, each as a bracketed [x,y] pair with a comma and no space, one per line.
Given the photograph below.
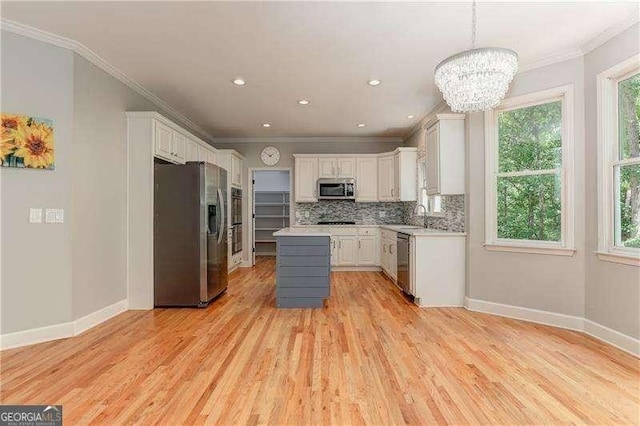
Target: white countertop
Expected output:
[303,232]
[414,231]
[418,231]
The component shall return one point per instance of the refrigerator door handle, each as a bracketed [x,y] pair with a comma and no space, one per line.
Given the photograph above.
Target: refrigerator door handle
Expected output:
[222,218]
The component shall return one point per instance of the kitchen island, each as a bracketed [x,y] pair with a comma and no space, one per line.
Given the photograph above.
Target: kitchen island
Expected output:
[303,267]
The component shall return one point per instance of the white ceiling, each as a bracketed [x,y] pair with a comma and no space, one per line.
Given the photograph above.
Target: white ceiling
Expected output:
[188,53]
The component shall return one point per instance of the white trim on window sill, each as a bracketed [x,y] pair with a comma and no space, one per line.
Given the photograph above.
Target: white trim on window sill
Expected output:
[554,251]
[440,214]
[625,259]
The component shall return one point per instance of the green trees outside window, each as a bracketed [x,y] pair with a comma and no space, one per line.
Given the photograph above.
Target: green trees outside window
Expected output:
[627,171]
[529,193]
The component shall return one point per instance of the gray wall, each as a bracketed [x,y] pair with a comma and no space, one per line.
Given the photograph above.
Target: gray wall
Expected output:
[53,274]
[99,187]
[612,290]
[37,79]
[549,283]
[251,150]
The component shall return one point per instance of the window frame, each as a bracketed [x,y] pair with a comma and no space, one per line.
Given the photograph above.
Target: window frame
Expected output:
[608,146]
[566,245]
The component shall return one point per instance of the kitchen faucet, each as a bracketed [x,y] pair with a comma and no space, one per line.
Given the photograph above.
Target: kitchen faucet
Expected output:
[415,212]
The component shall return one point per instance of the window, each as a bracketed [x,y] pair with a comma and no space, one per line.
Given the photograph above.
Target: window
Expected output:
[529,166]
[619,160]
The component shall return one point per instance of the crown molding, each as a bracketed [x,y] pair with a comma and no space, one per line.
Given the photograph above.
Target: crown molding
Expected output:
[94,58]
[310,139]
[551,59]
[610,33]
[576,52]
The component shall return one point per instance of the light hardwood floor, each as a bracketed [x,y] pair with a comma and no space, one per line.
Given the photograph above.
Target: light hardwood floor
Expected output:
[368,357]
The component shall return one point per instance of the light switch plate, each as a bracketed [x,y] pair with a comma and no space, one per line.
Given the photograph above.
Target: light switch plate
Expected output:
[54,215]
[35,215]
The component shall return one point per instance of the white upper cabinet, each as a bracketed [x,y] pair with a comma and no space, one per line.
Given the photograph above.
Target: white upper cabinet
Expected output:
[179,147]
[306,178]
[173,145]
[211,157]
[433,166]
[379,177]
[386,178]
[232,162]
[340,167]
[346,167]
[207,155]
[163,141]
[192,151]
[405,174]
[367,179]
[397,174]
[236,171]
[445,145]
[327,167]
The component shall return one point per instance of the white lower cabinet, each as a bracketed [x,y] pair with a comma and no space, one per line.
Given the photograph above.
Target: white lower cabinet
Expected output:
[347,253]
[437,275]
[367,251]
[388,253]
[354,246]
[334,251]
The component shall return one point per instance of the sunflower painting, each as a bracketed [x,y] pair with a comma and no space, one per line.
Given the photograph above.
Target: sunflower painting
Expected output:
[26,142]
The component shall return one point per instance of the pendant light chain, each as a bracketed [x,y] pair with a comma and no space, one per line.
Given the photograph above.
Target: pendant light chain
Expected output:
[473,25]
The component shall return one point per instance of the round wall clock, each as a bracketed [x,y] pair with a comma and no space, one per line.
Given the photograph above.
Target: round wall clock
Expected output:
[270,156]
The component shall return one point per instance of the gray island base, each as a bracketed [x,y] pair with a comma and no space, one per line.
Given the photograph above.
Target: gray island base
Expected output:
[303,268]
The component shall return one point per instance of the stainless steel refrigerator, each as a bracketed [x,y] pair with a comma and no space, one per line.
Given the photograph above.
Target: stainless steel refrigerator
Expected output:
[190,233]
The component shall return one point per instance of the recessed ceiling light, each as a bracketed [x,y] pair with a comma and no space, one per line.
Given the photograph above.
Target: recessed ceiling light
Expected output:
[303,102]
[410,116]
[239,82]
[374,82]
[361,124]
[266,125]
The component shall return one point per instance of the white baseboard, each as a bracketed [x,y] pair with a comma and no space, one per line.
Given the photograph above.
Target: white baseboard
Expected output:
[612,337]
[89,321]
[621,341]
[526,314]
[61,331]
[36,335]
[356,269]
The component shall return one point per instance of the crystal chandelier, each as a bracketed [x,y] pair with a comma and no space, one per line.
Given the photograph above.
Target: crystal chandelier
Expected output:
[476,79]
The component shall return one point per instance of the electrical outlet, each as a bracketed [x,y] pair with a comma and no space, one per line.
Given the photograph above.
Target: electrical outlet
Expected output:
[54,215]
[35,215]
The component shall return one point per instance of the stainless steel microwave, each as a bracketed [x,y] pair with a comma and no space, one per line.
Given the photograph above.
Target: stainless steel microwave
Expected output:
[336,189]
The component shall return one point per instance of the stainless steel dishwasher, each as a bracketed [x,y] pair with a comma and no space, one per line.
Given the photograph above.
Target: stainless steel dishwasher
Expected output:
[403,262]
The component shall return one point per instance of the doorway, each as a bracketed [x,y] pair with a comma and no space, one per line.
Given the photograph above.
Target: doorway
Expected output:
[271,208]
